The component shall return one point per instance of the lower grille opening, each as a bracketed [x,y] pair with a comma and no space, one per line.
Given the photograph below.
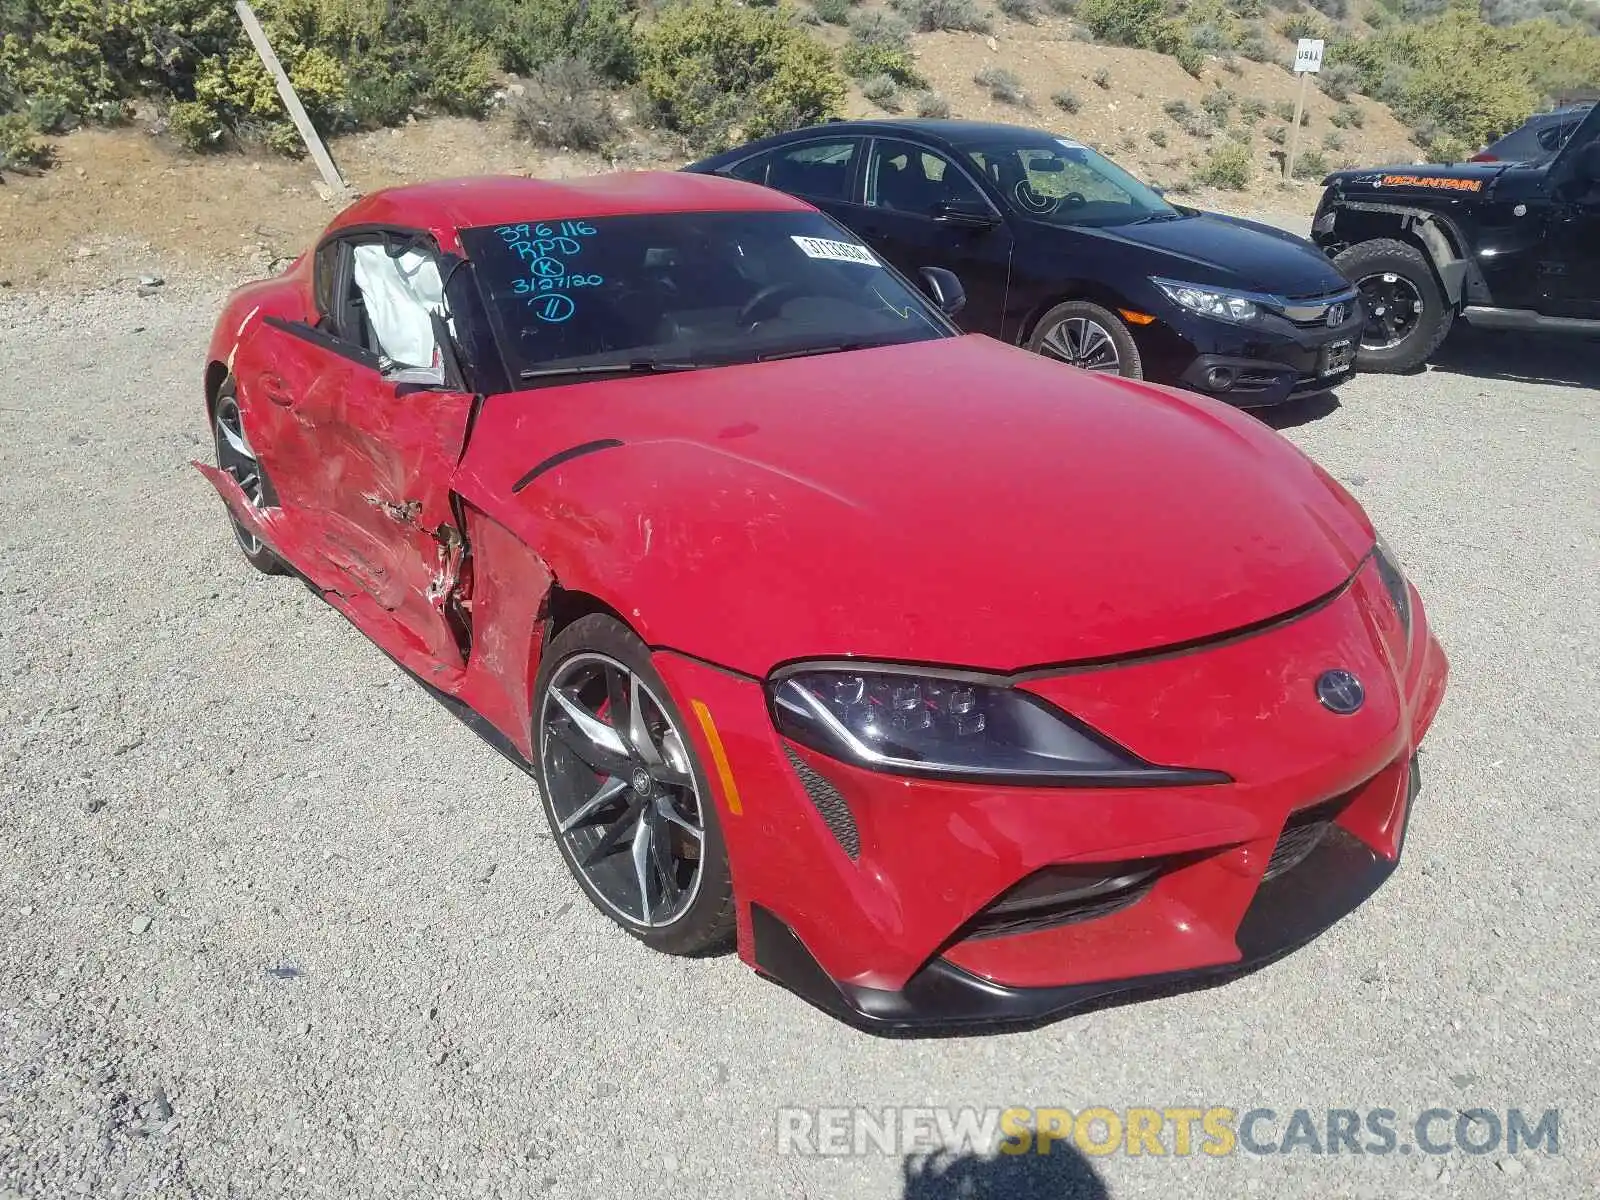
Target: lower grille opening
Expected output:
[1302,833]
[1065,895]
[833,808]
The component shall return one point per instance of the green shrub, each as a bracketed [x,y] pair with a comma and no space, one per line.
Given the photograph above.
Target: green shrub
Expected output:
[1339,80]
[718,73]
[1102,78]
[1310,164]
[1284,111]
[354,63]
[20,149]
[50,114]
[881,90]
[1256,48]
[1253,108]
[1277,134]
[565,104]
[1026,11]
[1191,121]
[1062,8]
[1332,140]
[1219,105]
[1002,85]
[195,126]
[1125,22]
[1066,101]
[932,105]
[834,12]
[1191,58]
[1158,137]
[880,44]
[1241,133]
[1228,166]
[955,16]
[1303,25]
[1213,37]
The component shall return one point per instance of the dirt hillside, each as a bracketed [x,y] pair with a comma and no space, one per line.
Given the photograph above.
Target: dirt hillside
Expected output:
[121,203]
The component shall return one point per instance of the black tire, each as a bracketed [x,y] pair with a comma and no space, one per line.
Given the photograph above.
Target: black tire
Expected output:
[1053,337]
[1391,277]
[706,923]
[225,411]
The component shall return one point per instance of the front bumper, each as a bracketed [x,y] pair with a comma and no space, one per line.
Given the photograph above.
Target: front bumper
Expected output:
[1288,912]
[1253,366]
[884,900]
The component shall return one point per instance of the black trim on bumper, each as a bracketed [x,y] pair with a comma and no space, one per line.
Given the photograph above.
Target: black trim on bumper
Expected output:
[1262,383]
[942,999]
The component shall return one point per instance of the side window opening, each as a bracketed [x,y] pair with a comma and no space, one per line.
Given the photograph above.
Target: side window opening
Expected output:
[399,290]
[817,169]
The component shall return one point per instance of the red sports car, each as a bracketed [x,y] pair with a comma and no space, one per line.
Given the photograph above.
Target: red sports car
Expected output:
[960,690]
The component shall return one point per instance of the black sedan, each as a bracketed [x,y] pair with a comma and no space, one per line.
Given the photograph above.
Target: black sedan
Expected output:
[1062,251]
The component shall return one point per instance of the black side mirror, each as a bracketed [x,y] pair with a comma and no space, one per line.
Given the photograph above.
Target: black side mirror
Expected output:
[944,289]
[965,213]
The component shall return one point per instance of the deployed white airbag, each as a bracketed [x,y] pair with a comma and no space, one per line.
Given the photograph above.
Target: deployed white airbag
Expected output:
[400,294]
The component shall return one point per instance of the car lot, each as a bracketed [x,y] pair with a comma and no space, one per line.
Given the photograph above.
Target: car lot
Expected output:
[274,921]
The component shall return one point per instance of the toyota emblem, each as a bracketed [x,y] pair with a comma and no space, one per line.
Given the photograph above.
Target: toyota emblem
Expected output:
[1340,692]
[1336,314]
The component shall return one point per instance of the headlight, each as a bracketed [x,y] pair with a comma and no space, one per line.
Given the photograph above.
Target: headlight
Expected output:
[952,726]
[1209,302]
[1394,582]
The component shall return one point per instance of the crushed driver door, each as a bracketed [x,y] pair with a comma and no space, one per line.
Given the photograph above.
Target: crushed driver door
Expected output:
[387,421]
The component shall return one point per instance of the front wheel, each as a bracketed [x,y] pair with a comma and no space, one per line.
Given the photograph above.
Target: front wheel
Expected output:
[1407,316]
[628,803]
[236,456]
[1087,336]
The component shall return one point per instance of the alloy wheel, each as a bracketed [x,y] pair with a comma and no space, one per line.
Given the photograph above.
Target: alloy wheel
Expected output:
[235,456]
[621,791]
[1082,343]
[1394,309]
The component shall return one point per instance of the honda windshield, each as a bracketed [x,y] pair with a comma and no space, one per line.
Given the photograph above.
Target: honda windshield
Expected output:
[1062,182]
[675,291]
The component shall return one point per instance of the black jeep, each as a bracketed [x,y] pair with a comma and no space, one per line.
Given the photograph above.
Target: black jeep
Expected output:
[1505,245]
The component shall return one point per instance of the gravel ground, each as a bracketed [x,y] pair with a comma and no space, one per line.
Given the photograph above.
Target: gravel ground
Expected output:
[273,922]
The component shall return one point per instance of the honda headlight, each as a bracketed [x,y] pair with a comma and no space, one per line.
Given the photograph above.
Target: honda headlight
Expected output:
[1209,301]
[1394,582]
[953,726]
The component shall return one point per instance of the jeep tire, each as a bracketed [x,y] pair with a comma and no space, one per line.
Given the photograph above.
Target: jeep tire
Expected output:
[1407,314]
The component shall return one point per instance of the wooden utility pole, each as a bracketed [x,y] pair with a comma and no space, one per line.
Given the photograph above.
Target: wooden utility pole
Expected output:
[297,113]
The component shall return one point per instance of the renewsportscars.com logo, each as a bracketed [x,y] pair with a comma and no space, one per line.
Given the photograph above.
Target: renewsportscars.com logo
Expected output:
[1177,1131]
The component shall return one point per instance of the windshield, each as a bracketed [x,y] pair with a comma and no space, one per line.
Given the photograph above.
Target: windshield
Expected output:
[1063,182]
[671,290]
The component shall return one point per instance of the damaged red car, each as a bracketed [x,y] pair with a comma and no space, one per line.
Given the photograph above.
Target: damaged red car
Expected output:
[955,689]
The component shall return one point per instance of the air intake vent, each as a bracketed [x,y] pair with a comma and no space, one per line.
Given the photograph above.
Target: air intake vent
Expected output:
[1066,895]
[830,804]
[1301,834]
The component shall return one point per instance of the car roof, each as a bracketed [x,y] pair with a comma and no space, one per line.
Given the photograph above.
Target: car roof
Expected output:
[445,206]
[949,129]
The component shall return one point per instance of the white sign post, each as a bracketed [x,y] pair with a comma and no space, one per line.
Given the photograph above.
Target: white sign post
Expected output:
[1307,62]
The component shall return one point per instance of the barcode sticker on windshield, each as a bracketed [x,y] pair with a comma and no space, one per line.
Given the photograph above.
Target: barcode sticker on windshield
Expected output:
[837,251]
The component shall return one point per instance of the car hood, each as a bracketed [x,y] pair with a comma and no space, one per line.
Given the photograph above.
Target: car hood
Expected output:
[1445,179]
[957,501]
[1230,252]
